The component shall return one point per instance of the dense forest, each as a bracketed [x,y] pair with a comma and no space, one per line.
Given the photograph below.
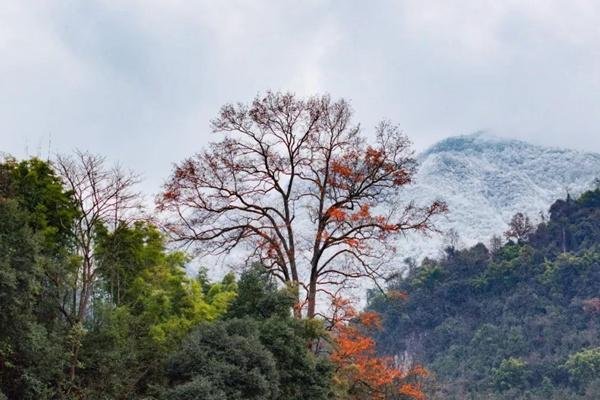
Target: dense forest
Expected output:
[101,296]
[95,306]
[514,320]
[97,295]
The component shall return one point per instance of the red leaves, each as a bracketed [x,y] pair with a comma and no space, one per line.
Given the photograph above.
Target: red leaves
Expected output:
[338,168]
[401,177]
[169,195]
[385,226]
[360,371]
[352,242]
[363,213]
[186,170]
[374,157]
[337,214]
[413,391]
[267,245]
[370,320]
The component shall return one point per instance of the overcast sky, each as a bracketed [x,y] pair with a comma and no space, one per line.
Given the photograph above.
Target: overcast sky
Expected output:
[138,81]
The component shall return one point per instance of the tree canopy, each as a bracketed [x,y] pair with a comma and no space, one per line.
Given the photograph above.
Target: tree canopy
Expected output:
[518,322]
[296,182]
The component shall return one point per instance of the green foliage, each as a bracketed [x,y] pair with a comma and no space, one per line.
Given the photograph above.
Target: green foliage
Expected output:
[512,324]
[151,330]
[144,305]
[214,362]
[138,272]
[584,366]
[590,199]
[38,191]
[259,298]
[36,215]
[512,373]
[152,305]
[302,375]
[30,362]
[35,220]
[225,360]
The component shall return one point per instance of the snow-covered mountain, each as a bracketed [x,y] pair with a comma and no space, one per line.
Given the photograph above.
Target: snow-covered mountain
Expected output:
[485,180]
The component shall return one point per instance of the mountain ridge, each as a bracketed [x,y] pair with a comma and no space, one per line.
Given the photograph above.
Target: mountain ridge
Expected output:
[486,179]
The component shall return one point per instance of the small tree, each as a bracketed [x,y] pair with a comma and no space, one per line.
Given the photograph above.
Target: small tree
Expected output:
[452,240]
[519,228]
[495,245]
[294,181]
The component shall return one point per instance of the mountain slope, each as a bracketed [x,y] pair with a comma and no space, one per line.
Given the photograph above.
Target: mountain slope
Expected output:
[485,180]
[519,322]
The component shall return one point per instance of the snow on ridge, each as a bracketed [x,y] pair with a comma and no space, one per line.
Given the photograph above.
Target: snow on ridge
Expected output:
[486,179]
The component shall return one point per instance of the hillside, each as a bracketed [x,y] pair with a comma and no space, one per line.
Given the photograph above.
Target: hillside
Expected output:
[515,322]
[485,180]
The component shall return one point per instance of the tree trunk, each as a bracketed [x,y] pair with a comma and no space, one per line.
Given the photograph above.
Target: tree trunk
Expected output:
[74,362]
[312,297]
[298,305]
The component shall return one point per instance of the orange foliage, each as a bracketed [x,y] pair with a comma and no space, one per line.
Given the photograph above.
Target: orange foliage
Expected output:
[412,391]
[402,177]
[373,156]
[362,213]
[370,319]
[337,214]
[360,372]
[386,227]
[352,242]
[340,169]
[397,295]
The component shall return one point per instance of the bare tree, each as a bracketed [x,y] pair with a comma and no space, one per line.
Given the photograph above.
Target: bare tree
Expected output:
[102,195]
[495,244]
[294,180]
[452,239]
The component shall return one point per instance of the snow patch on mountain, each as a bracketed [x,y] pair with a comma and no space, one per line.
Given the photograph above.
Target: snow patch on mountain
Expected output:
[485,180]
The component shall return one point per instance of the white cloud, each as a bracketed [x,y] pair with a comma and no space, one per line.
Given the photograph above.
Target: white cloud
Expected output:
[139,80]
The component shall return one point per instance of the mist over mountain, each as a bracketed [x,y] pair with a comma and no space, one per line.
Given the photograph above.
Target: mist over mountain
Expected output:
[485,180]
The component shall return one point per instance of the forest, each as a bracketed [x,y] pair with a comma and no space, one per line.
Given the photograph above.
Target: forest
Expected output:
[98,298]
[149,330]
[101,296]
[515,320]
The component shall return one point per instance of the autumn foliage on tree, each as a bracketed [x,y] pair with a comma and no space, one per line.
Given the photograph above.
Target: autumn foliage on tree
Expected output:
[293,182]
[519,228]
[360,373]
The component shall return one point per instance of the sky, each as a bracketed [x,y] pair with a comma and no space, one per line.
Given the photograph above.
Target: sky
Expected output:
[139,81]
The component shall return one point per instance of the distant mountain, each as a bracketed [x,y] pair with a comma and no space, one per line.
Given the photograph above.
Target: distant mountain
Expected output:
[486,179]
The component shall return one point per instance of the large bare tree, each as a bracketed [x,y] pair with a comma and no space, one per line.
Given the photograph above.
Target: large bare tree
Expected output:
[295,182]
[102,195]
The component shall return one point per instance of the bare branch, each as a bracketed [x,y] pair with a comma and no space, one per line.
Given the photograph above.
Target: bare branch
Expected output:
[295,183]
